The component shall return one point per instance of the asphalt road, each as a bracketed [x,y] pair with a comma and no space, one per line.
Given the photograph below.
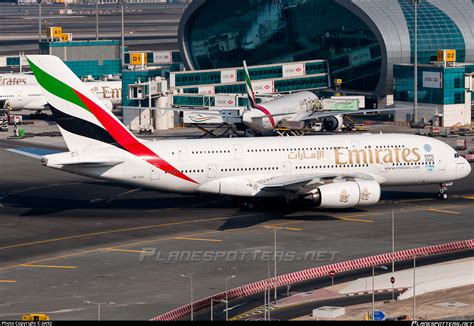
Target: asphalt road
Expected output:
[66,239]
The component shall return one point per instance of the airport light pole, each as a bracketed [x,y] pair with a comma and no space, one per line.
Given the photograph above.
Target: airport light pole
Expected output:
[266,302]
[212,306]
[227,297]
[373,286]
[275,263]
[192,297]
[40,2]
[97,20]
[415,94]
[414,286]
[122,3]
[393,252]
[98,306]
[275,285]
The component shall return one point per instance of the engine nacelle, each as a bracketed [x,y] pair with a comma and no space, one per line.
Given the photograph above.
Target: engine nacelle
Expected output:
[333,123]
[346,194]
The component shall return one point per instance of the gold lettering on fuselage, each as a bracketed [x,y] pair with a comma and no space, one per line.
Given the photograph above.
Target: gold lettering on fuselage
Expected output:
[12,81]
[306,155]
[369,156]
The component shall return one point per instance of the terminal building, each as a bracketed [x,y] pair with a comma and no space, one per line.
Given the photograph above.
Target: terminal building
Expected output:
[444,93]
[360,39]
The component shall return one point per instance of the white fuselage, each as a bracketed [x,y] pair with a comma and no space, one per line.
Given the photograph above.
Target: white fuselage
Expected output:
[269,114]
[235,166]
[31,97]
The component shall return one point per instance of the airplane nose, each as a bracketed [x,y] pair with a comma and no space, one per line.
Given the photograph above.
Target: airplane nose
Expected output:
[468,167]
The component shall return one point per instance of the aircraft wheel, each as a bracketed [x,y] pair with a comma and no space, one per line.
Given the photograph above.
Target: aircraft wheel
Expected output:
[442,196]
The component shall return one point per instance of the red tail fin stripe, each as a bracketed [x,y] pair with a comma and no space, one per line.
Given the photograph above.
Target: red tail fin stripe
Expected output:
[267,113]
[128,141]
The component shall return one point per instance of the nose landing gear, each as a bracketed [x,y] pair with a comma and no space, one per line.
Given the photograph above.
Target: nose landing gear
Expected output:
[443,190]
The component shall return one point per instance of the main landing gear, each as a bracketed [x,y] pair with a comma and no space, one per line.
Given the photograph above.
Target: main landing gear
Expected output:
[443,190]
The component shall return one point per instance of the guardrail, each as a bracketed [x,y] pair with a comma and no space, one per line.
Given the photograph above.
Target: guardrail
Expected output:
[316,272]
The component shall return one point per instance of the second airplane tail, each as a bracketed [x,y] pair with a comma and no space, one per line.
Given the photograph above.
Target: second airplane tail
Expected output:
[248,85]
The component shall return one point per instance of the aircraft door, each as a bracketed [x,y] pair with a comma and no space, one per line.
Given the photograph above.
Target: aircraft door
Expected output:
[286,168]
[19,96]
[155,173]
[442,162]
[211,170]
[238,151]
[183,153]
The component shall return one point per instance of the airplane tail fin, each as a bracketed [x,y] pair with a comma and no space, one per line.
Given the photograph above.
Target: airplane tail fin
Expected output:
[248,85]
[84,120]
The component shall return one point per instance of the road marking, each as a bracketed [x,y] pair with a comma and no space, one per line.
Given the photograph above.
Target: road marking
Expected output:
[198,239]
[99,250]
[353,219]
[281,227]
[413,200]
[442,211]
[47,266]
[7,281]
[111,231]
[128,192]
[468,197]
[123,194]
[128,250]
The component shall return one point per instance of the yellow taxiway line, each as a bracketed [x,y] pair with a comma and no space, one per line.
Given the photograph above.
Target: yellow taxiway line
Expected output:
[98,250]
[111,231]
[197,239]
[127,250]
[353,219]
[7,281]
[442,211]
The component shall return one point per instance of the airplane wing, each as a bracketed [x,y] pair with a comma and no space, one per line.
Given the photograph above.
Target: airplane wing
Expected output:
[273,115]
[312,115]
[305,183]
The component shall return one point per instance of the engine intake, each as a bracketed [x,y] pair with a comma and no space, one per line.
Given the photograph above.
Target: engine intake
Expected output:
[346,194]
[333,123]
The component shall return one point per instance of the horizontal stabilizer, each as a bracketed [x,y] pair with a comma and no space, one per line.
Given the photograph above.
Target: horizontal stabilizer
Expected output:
[33,152]
[91,163]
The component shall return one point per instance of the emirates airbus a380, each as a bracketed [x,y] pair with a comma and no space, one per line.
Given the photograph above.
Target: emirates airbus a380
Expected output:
[335,171]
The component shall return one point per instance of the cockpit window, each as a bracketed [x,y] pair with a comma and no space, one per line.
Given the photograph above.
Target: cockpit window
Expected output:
[456,155]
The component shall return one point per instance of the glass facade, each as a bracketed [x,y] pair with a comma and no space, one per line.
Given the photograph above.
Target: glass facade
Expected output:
[223,33]
[435,31]
[136,76]
[190,78]
[436,85]
[205,101]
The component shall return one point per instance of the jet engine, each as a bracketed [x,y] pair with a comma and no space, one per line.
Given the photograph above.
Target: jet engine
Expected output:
[333,123]
[346,194]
